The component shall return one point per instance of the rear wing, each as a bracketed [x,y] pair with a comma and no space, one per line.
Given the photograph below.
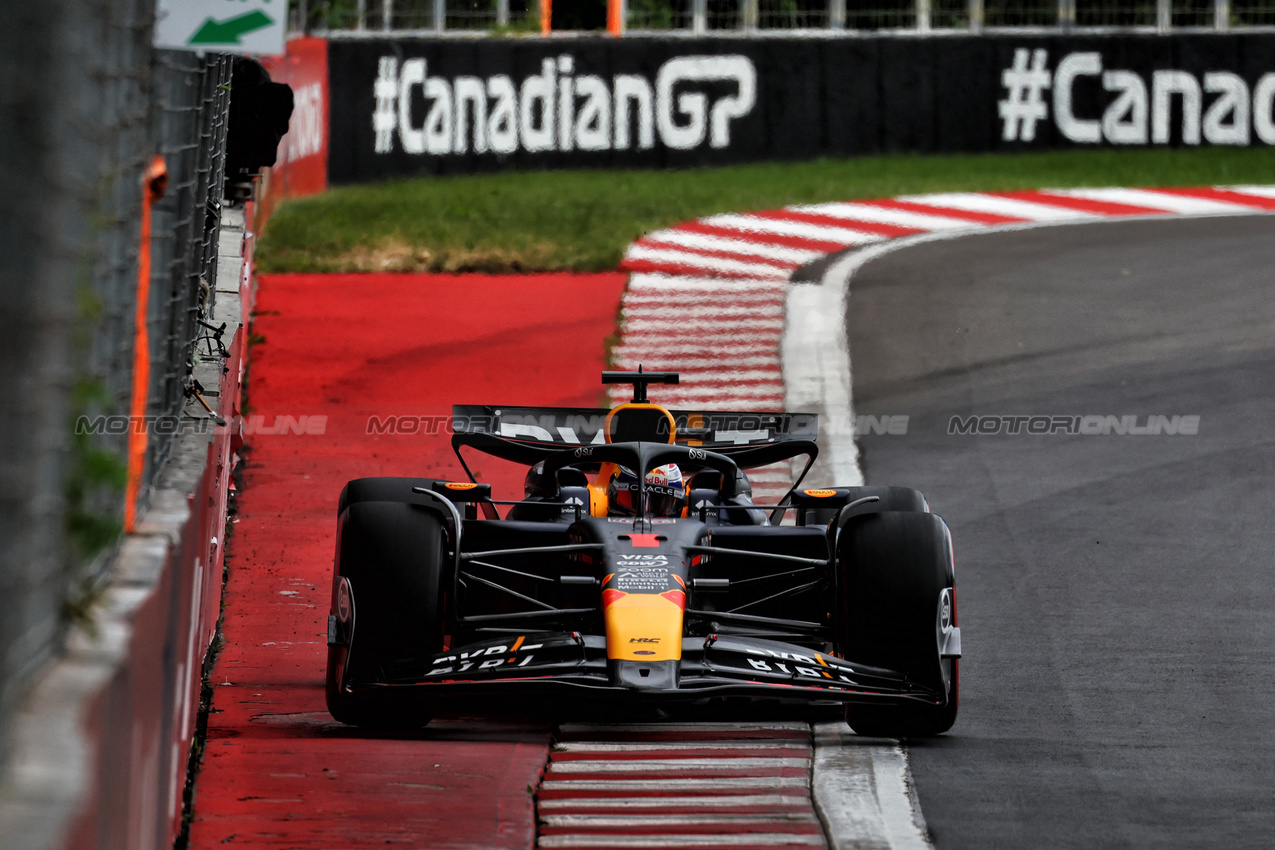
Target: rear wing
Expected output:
[560,427]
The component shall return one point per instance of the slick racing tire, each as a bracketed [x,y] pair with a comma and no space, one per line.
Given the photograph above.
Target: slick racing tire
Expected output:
[384,490]
[896,597]
[388,600]
[889,499]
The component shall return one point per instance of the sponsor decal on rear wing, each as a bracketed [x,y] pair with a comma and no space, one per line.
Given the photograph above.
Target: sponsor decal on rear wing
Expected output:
[573,426]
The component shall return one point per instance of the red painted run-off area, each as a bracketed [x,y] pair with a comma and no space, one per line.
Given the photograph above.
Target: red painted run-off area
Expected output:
[277,771]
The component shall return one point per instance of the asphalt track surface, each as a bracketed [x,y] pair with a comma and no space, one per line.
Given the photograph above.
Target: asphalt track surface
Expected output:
[1115,592]
[278,772]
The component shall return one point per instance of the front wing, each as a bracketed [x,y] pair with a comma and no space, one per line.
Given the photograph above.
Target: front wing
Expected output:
[716,666]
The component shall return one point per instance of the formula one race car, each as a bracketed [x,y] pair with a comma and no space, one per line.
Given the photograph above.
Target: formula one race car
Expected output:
[638,568]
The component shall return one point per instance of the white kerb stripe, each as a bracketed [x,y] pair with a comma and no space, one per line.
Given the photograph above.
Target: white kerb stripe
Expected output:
[1181,204]
[703,380]
[700,295]
[728,802]
[747,839]
[608,747]
[695,359]
[974,202]
[702,261]
[661,765]
[593,821]
[656,281]
[761,783]
[731,292]
[704,242]
[1260,191]
[730,314]
[882,215]
[633,324]
[801,229]
[690,353]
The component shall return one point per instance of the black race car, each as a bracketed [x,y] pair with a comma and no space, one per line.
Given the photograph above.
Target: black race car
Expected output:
[638,567]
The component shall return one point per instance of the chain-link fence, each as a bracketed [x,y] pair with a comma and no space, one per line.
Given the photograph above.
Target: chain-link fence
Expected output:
[87,103]
[708,16]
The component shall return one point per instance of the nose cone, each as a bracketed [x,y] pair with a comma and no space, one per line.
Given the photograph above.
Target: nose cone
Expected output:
[644,627]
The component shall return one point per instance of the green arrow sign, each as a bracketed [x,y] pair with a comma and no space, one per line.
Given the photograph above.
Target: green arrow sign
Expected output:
[229,30]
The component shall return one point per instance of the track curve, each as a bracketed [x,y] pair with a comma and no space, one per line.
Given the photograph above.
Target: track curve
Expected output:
[1115,591]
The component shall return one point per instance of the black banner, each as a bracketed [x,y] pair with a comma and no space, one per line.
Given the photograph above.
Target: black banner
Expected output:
[433,106]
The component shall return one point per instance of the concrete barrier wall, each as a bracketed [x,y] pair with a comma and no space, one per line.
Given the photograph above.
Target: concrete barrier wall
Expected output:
[103,740]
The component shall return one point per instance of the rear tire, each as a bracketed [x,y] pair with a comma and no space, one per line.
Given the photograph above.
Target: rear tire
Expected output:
[892,571]
[384,490]
[888,499]
[392,554]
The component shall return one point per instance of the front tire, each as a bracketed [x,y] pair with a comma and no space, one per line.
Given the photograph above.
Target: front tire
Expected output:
[894,571]
[391,556]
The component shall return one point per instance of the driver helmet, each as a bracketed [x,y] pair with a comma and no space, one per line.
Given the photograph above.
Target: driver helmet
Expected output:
[665,492]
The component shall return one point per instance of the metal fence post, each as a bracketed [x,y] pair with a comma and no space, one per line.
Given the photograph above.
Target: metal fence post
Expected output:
[748,15]
[502,13]
[1221,15]
[360,19]
[440,15]
[837,14]
[974,11]
[922,15]
[1066,13]
[1163,15]
[699,16]
[387,15]
[617,16]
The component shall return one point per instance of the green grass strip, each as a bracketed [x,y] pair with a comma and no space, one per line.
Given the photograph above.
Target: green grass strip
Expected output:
[583,220]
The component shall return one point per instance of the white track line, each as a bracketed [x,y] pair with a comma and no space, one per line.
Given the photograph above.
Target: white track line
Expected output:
[863,791]
[816,367]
